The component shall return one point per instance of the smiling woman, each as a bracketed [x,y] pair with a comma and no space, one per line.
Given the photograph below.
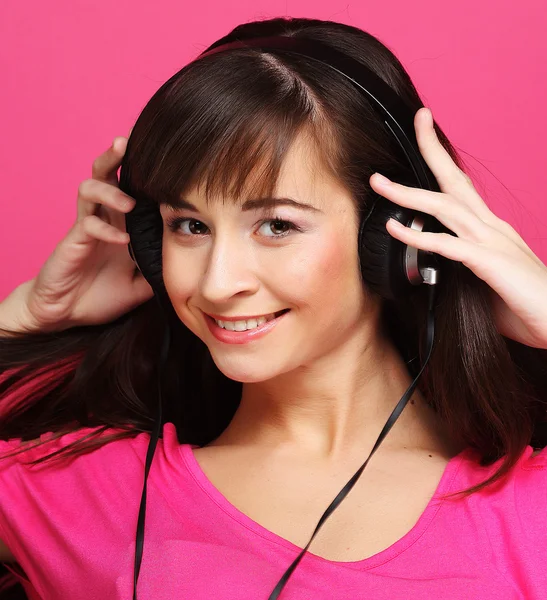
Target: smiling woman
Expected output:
[254,168]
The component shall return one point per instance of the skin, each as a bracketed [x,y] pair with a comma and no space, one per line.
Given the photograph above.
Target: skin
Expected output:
[323,382]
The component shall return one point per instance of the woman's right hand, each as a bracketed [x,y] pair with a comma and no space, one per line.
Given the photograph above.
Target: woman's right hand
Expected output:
[90,279]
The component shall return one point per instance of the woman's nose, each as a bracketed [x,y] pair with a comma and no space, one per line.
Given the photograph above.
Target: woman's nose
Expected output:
[230,270]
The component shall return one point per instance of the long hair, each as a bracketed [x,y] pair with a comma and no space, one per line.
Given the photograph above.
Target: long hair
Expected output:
[216,122]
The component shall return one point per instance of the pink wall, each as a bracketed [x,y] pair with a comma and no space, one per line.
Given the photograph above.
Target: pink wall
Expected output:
[76,73]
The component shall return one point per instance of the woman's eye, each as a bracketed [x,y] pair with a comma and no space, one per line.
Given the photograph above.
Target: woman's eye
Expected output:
[275,228]
[175,225]
[278,227]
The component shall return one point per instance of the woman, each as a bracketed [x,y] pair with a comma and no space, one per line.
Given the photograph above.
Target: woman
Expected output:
[261,433]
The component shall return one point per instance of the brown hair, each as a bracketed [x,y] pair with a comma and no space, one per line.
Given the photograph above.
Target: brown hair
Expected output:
[215,122]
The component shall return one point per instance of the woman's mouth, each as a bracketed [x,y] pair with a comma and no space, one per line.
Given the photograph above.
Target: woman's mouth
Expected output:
[241,332]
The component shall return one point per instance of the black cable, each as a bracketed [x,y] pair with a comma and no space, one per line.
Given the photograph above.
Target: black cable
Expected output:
[150,453]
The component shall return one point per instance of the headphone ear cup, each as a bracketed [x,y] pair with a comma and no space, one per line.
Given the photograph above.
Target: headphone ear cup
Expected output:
[145,228]
[381,255]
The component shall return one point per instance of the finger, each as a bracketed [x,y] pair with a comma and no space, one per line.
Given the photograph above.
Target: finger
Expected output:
[94,228]
[93,193]
[450,177]
[105,166]
[457,216]
[439,161]
[80,242]
[451,213]
[486,262]
[142,290]
[446,245]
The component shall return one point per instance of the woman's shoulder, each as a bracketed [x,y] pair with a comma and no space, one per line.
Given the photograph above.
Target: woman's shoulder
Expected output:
[517,501]
[531,460]
[86,445]
[105,480]
[531,473]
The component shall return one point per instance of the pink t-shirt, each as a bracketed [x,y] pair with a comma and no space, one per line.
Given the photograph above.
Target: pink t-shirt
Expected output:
[72,529]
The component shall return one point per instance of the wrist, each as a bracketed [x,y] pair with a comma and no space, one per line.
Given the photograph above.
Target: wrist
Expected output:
[14,315]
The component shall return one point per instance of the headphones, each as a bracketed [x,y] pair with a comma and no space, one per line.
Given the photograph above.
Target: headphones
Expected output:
[389,267]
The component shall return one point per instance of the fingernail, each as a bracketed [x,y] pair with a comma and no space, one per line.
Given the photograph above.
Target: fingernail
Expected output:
[118,144]
[381,180]
[128,204]
[429,117]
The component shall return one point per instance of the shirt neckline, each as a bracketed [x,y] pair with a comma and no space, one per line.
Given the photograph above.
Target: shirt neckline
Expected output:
[444,486]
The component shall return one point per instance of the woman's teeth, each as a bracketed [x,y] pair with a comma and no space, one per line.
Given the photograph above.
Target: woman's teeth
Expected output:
[244,325]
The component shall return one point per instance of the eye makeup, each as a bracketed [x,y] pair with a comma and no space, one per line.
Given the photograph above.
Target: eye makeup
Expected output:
[173,223]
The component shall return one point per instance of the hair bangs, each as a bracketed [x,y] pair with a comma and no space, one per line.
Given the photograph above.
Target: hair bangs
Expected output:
[228,139]
[246,160]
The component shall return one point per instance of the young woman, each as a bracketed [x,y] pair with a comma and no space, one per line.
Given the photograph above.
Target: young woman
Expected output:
[260,432]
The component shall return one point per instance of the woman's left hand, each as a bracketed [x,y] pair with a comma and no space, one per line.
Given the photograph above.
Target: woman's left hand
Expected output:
[486,244]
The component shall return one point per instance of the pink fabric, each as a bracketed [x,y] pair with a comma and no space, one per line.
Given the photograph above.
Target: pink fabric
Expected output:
[72,529]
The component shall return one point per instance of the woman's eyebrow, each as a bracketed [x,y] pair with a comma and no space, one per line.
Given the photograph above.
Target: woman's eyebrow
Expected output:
[260,203]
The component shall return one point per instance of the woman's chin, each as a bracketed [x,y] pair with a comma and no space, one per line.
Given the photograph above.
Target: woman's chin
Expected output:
[245,371]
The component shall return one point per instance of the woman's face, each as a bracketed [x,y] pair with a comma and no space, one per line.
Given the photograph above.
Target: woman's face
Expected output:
[224,260]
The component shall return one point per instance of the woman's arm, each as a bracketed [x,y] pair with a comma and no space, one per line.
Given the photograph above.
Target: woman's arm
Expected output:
[13,315]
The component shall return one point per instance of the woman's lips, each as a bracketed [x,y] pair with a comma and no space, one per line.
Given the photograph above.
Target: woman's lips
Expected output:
[243,337]
[233,319]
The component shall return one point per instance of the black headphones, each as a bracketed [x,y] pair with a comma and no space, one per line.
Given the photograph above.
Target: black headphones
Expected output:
[391,269]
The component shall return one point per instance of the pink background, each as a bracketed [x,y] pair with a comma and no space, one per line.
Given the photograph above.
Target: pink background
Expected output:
[76,73]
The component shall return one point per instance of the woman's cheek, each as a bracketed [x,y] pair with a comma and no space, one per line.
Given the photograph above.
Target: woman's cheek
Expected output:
[179,283]
[328,266]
